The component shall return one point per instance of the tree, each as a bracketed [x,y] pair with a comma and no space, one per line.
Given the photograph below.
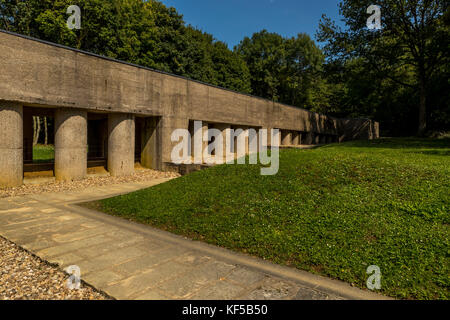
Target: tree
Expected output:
[144,32]
[409,50]
[45,131]
[230,69]
[283,69]
[36,129]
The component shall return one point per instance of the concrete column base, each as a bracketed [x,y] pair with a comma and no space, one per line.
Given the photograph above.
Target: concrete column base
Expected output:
[226,139]
[241,142]
[150,143]
[205,143]
[70,144]
[121,135]
[308,138]
[295,138]
[286,138]
[11,144]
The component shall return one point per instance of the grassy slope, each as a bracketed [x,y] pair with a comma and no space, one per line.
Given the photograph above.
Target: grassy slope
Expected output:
[332,211]
[43,153]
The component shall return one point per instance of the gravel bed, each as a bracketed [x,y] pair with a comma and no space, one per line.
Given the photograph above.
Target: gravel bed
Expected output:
[138,176]
[26,277]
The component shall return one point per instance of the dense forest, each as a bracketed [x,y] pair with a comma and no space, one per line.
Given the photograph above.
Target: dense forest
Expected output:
[398,75]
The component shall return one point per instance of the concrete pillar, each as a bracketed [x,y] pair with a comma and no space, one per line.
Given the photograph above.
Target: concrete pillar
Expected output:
[269,137]
[295,138]
[239,139]
[198,135]
[308,138]
[316,138]
[286,138]
[246,134]
[11,144]
[197,143]
[252,140]
[240,142]
[150,153]
[70,144]
[121,135]
[205,143]
[376,130]
[226,139]
[165,145]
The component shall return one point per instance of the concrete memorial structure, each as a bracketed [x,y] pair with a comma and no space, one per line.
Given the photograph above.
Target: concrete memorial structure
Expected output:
[119,113]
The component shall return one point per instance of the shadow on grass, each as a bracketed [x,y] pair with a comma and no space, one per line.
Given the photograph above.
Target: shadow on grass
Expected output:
[402,143]
[442,153]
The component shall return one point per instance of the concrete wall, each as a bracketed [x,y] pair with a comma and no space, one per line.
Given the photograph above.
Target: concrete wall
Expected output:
[357,129]
[38,74]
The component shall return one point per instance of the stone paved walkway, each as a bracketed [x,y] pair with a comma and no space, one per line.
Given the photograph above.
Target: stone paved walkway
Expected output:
[132,261]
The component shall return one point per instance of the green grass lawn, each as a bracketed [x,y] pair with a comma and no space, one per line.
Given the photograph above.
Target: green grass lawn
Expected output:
[43,153]
[332,211]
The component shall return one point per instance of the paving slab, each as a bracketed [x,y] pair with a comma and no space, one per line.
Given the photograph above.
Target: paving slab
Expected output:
[218,291]
[127,260]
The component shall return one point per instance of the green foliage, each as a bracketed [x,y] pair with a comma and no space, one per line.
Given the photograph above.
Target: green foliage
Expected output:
[410,52]
[137,31]
[334,211]
[398,76]
[284,69]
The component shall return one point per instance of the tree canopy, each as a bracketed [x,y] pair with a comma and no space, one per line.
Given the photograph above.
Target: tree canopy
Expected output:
[143,32]
[410,50]
[283,69]
[398,75]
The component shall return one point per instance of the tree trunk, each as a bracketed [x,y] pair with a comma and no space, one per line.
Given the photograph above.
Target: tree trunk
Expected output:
[37,129]
[46,131]
[422,109]
[34,130]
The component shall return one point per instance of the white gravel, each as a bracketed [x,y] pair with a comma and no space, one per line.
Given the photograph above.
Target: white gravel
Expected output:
[139,175]
[26,277]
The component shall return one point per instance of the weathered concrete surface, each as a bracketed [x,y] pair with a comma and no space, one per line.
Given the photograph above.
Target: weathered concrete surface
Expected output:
[38,74]
[296,138]
[121,144]
[11,144]
[70,144]
[151,139]
[358,129]
[286,138]
[132,261]
[226,134]
[61,77]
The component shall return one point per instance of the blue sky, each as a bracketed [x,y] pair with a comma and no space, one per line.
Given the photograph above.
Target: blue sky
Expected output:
[231,20]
